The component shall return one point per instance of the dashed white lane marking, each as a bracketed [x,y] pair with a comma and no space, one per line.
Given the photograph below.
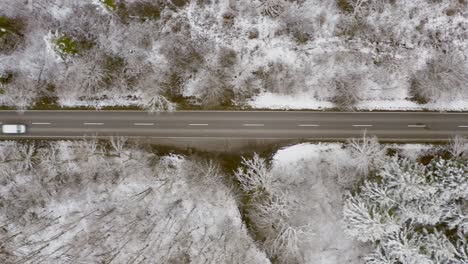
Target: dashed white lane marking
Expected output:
[41,123]
[463,126]
[93,124]
[143,124]
[416,125]
[362,125]
[308,125]
[254,125]
[198,124]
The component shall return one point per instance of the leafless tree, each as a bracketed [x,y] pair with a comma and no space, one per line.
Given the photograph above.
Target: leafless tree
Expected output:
[118,144]
[254,176]
[21,92]
[444,78]
[87,76]
[358,5]
[158,103]
[271,211]
[286,244]
[458,146]
[27,153]
[272,8]
[347,87]
[366,152]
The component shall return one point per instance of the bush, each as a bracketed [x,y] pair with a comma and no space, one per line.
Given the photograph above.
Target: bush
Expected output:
[414,92]
[227,57]
[6,77]
[145,10]
[109,4]
[66,46]
[344,6]
[11,33]
[444,77]
[347,90]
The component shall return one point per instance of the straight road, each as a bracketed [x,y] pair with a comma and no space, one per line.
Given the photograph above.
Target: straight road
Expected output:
[388,126]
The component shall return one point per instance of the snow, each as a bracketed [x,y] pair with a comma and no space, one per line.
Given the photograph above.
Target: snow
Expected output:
[268,100]
[130,207]
[313,175]
[299,170]
[297,153]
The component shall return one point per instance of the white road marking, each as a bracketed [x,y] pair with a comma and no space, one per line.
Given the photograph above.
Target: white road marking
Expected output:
[463,126]
[198,124]
[308,125]
[39,123]
[362,125]
[416,125]
[258,125]
[93,124]
[143,124]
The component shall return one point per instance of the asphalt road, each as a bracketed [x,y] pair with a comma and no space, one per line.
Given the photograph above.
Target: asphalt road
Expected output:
[388,126]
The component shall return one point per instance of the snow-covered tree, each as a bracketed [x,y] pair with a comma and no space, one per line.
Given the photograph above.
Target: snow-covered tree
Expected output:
[367,153]
[444,78]
[458,146]
[409,210]
[254,176]
[75,207]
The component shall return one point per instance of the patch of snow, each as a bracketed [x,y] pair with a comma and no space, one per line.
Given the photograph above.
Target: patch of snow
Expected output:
[306,172]
[297,101]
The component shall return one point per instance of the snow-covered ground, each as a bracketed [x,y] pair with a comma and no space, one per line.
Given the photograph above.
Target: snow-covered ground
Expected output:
[310,174]
[268,54]
[75,201]
[96,201]
[317,176]
[306,101]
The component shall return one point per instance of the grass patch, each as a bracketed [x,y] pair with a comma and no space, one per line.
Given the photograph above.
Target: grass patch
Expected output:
[11,33]
[66,46]
[6,77]
[145,10]
[10,25]
[344,6]
[110,5]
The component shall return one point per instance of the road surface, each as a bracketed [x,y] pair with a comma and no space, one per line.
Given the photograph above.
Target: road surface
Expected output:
[388,126]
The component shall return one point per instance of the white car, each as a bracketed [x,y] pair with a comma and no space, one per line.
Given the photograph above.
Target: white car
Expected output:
[13,129]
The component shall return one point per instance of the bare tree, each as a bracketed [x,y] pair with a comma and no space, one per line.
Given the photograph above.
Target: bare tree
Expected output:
[458,146]
[87,76]
[158,103]
[272,211]
[272,8]
[27,153]
[286,243]
[21,92]
[118,144]
[347,87]
[444,78]
[366,152]
[254,177]
[357,6]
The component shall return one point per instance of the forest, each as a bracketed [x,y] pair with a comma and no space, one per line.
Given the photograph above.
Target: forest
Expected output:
[123,201]
[164,55]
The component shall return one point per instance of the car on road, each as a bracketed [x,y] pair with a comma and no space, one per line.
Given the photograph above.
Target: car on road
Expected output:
[13,129]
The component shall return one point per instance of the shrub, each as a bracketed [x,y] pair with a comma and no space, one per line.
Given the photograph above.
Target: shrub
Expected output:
[109,4]
[346,90]
[145,10]
[344,6]
[11,33]
[66,46]
[444,77]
